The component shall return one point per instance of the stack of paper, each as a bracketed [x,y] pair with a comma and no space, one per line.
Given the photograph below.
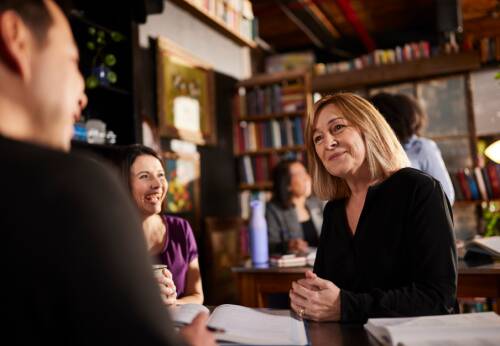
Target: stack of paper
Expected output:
[464,329]
[288,261]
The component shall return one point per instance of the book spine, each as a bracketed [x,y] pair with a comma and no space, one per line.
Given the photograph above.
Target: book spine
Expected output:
[459,196]
[472,184]
[495,182]
[487,182]
[464,185]
[480,183]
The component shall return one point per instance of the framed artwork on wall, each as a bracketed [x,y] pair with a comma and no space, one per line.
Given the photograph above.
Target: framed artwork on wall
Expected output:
[185,93]
[183,195]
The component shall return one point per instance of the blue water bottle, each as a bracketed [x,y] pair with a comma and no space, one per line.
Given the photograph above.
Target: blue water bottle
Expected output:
[258,234]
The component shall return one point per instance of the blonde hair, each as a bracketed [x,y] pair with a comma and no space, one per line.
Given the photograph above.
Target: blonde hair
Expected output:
[384,153]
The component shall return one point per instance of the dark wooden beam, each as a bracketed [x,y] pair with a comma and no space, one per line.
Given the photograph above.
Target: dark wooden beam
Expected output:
[313,22]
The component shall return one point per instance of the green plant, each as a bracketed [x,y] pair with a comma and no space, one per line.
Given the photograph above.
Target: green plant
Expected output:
[103,59]
[491,217]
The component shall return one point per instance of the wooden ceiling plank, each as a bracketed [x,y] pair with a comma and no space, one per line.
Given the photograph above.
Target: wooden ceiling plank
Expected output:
[323,20]
[293,17]
[485,27]
[475,9]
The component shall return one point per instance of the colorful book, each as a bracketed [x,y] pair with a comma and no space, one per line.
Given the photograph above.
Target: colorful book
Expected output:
[464,185]
[480,183]
[487,183]
[494,180]
[474,190]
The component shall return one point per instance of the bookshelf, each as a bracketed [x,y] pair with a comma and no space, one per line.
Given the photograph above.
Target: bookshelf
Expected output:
[234,23]
[269,113]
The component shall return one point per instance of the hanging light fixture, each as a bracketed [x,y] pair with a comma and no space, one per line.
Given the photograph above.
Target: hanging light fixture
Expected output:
[492,151]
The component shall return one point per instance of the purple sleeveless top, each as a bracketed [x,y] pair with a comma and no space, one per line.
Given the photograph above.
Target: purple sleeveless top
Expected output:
[179,250]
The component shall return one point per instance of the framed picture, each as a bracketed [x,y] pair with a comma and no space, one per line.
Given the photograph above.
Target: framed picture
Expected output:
[183,195]
[185,89]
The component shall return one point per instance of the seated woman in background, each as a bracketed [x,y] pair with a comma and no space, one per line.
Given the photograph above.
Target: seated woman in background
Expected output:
[407,119]
[387,245]
[293,216]
[170,239]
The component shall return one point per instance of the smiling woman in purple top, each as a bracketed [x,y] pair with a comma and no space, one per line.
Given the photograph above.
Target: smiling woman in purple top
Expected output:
[170,239]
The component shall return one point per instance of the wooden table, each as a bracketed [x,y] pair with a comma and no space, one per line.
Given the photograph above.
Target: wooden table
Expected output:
[255,284]
[331,333]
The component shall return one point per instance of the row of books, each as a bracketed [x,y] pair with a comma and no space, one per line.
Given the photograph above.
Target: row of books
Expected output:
[488,47]
[237,15]
[410,51]
[253,136]
[258,169]
[271,99]
[478,183]
[470,305]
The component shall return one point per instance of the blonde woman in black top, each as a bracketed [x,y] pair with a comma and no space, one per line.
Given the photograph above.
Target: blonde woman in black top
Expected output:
[387,244]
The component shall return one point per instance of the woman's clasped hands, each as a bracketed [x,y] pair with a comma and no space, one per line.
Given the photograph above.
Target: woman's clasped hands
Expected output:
[168,290]
[315,299]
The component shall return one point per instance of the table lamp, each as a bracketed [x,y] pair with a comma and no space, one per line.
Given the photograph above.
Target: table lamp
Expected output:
[492,151]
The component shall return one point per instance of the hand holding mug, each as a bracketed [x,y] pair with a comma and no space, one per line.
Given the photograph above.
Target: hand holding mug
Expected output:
[168,290]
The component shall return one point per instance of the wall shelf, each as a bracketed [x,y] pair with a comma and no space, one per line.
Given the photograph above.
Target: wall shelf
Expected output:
[271,116]
[398,72]
[273,150]
[272,78]
[215,23]
[466,202]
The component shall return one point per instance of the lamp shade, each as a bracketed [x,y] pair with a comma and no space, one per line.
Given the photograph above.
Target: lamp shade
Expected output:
[493,151]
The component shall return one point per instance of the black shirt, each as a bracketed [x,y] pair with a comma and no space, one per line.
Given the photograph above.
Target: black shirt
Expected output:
[75,265]
[401,261]
[310,234]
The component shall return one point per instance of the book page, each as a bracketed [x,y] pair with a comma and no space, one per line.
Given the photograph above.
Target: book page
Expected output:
[185,313]
[257,327]
[491,244]
[461,329]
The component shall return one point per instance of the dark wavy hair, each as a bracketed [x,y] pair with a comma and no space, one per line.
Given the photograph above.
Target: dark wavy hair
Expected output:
[281,183]
[129,154]
[402,112]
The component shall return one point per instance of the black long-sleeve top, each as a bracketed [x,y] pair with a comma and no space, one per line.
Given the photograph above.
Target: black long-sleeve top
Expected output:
[401,260]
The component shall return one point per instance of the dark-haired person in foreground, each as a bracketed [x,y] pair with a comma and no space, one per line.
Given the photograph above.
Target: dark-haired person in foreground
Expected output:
[387,246]
[75,266]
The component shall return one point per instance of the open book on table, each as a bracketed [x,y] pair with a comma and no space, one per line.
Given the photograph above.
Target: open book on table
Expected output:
[482,251]
[463,329]
[244,325]
[489,246]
